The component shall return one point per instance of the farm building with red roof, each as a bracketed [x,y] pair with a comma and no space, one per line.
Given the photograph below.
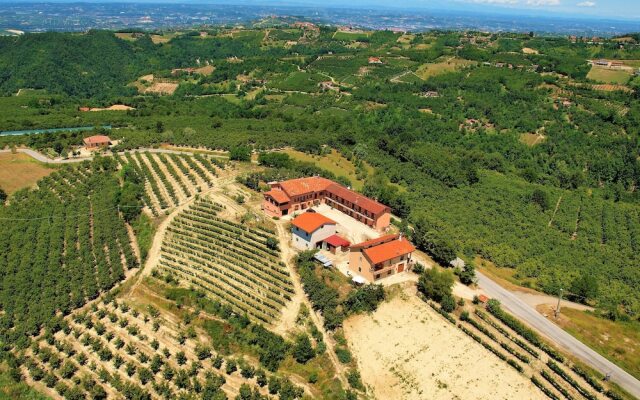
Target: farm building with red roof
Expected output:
[381,257]
[310,229]
[96,142]
[293,195]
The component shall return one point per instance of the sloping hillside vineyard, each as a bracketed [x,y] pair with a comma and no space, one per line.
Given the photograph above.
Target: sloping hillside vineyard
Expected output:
[228,261]
[169,179]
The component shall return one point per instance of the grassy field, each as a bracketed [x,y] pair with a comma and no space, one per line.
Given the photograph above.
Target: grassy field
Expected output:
[345,36]
[632,63]
[531,139]
[18,171]
[608,75]
[10,390]
[426,71]
[333,162]
[617,341]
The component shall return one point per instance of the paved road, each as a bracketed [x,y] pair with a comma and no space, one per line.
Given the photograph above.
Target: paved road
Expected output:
[42,158]
[561,338]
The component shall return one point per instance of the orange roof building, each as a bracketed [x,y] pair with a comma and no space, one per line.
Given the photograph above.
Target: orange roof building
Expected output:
[294,195]
[381,257]
[309,230]
[96,142]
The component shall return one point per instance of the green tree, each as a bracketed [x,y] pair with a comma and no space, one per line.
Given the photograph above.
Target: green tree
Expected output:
[436,285]
[468,274]
[540,198]
[302,349]
[584,287]
[240,153]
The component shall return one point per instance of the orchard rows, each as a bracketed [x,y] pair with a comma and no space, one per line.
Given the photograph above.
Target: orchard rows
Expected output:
[232,263]
[64,244]
[113,351]
[170,179]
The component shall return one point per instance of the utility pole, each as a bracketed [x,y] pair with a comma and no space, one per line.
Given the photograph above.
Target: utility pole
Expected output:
[558,307]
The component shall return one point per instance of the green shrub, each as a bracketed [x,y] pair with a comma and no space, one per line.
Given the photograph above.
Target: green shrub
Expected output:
[344,355]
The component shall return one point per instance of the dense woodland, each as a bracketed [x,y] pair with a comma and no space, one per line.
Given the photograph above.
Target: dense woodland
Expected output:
[562,213]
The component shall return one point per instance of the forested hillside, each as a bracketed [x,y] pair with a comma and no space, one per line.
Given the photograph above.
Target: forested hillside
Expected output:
[509,147]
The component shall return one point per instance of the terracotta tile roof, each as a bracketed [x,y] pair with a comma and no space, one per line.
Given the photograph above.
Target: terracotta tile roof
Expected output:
[297,187]
[97,139]
[375,242]
[357,199]
[278,195]
[311,221]
[389,250]
[337,241]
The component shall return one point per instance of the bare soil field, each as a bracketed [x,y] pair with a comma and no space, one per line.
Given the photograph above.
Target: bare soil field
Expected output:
[611,88]
[528,50]
[19,171]
[115,107]
[162,88]
[206,70]
[405,350]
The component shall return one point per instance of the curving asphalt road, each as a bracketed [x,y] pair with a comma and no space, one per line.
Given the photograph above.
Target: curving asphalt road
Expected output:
[557,335]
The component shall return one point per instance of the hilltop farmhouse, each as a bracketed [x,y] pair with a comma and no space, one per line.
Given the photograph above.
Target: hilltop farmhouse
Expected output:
[287,197]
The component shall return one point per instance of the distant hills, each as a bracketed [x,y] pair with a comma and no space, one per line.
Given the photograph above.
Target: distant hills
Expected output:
[61,16]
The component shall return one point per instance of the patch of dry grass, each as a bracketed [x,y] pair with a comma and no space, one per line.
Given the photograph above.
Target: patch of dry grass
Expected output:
[606,75]
[426,71]
[19,171]
[333,162]
[617,341]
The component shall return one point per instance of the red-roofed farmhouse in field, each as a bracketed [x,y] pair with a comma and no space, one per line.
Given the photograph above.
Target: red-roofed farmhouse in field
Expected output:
[294,195]
[96,142]
[382,257]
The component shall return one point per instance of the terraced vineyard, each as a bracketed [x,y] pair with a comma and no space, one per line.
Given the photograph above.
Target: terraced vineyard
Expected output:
[110,350]
[232,263]
[170,179]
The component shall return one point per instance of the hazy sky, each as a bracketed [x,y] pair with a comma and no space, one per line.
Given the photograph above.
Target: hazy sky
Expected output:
[623,9]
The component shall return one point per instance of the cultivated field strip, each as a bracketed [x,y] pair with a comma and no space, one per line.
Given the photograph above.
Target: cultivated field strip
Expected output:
[557,379]
[170,179]
[229,261]
[111,351]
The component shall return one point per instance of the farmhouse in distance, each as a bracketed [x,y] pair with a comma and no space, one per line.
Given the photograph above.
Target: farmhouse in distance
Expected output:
[300,194]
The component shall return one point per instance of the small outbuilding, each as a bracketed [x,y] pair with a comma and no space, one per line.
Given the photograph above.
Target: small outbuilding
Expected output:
[334,243]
